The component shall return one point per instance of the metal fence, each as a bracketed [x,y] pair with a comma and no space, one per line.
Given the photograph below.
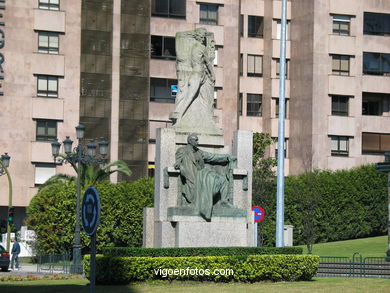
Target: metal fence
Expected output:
[53,263]
[354,267]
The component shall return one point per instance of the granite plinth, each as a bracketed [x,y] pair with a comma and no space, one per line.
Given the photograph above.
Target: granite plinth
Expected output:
[192,231]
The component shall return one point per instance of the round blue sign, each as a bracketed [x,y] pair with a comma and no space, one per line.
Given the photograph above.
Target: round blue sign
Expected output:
[259,213]
[90,210]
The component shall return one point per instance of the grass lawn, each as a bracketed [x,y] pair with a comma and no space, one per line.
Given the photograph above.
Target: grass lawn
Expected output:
[333,285]
[367,247]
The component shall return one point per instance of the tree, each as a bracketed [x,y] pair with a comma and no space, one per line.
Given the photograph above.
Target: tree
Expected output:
[306,191]
[89,174]
[263,186]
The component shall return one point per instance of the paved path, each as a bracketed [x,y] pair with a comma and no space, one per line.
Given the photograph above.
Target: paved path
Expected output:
[25,270]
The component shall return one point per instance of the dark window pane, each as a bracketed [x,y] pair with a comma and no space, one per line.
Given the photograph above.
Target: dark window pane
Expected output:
[255,26]
[376,63]
[371,62]
[253,105]
[46,130]
[177,7]
[240,104]
[209,14]
[163,47]
[169,8]
[385,63]
[241,64]
[340,105]
[169,47]
[241,25]
[376,23]
[156,46]
[160,7]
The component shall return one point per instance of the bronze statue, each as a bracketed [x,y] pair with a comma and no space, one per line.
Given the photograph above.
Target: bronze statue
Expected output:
[201,186]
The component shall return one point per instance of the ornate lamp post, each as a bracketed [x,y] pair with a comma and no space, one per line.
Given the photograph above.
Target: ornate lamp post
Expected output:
[385,167]
[4,164]
[79,157]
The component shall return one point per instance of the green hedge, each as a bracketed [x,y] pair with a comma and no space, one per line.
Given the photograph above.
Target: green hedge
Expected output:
[343,204]
[52,215]
[254,268]
[197,251]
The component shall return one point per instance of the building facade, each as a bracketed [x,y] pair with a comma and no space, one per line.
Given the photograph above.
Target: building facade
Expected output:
[110,65]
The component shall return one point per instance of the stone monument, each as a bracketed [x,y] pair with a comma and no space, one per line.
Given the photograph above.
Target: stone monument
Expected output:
[202,187]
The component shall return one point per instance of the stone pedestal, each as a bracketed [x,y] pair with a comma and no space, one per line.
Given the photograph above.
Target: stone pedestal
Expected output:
[219,232]
[177,226]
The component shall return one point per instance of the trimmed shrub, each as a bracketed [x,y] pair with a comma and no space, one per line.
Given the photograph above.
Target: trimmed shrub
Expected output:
[332,205]
[254,268]
[198,251]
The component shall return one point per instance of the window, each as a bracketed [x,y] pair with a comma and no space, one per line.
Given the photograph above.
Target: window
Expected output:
[255,26]
[376,63]
[209,14]
[163,47]
[376,24]
[241,25]
[169,8]
[340,64]
[279,29]
[340,105]
[277,108]
[339,145]
[241,64]
[375,142]
[278,68]
[375,103]
[217,55]
[46,130]
[276,147]
[162,90]
[216,93]
[48,42]
[49,4]
[253,105]
[47,86]
[341,25]
[255,65]
[43,172]
[240,104]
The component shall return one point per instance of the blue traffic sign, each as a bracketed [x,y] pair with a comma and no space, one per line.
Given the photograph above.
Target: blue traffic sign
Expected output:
[259,213]
[90,210]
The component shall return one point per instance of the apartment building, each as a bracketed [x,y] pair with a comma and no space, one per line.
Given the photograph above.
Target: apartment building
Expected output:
[110,65]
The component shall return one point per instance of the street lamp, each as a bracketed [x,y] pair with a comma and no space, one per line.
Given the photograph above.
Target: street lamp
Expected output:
[385,167]
[4,164]
[79,157]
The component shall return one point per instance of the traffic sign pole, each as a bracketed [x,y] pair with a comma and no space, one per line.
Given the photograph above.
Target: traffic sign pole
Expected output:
[91,219]
[92,275]
[255,236]
[259,214]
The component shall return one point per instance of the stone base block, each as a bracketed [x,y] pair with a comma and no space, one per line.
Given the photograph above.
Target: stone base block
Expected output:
[175,213]
[193,231]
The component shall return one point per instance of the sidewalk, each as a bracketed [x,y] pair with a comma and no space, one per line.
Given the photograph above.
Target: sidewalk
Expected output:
[29,269]
[24,270]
